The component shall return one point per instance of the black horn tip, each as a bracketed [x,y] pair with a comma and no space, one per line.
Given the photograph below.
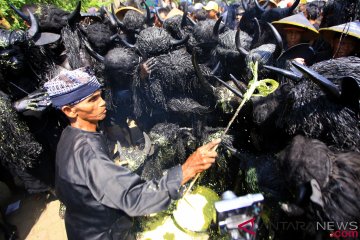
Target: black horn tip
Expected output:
[325,84]
[75,15]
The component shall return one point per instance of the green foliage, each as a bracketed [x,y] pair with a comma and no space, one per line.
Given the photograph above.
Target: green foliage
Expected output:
[67,5]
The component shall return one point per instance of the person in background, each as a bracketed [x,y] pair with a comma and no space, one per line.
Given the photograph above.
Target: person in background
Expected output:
[100,196]
[302,7]
[200,15]
[344,40]
[312,14]
[170,4]
[163,12]
[296,29]
[194,9]
[212,9]
[238,15]
[223,11]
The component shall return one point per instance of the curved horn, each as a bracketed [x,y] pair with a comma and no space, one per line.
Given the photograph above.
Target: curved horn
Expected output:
[75,15]
[302,50]
[158,16]
[257,32]
[198,72]
[20,13]
[148,14]
[237,84]
[350,93]
[148,144]
[216,28]
[193,23]
[241,50]
[236,92]
[325,84]
[279,43]
[245,5]
[286,73]
[184,16]
[175,43]
[34,29]
[293,7]
[261,8]
[118,21]
[93,53]
[94,16]
[215,68]
[111,17]
[122,40]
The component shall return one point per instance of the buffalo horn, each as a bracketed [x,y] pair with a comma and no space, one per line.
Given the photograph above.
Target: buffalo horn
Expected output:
[20,13]
[111,17]
[302,50]
[329,88]
[245,4]
[257,31]
[92,52]
[125,42]
[286,73]
[118,21]
[236,92]
[198,72]
[148,14]
[237,84]
[147,146]
[241,50]
[293,7]
[216,28]
[34,29]
[350,93]
[261,8]
[75,15]
[184,16]
[215,68]
[175,43]
[278,39]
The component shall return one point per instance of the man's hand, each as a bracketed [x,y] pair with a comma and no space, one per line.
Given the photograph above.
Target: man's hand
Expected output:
[147,67]
[36,101]
[200,160]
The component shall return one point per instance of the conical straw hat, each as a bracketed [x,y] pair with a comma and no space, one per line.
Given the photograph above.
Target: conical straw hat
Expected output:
[300,22]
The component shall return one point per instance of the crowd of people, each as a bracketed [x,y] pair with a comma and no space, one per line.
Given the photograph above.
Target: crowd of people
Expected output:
[71,82]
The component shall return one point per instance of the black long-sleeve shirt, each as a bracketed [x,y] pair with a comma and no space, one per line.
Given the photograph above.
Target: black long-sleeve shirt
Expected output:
[100,196]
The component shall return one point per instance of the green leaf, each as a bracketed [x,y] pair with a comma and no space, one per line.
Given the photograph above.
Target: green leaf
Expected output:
[265,87]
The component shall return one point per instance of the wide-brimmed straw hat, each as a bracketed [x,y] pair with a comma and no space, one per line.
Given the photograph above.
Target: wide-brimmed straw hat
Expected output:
[174,12]
[300,22]
[348,29]
[120,12]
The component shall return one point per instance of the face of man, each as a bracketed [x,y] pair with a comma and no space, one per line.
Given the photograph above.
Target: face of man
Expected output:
[212,14]
[238,16]
[293,37]
[343,48]
[157,21]
[92,109]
